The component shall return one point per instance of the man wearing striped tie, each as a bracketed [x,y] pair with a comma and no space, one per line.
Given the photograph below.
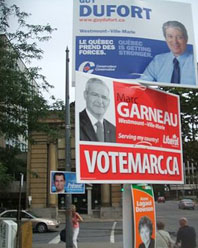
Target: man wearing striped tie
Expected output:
[93,125]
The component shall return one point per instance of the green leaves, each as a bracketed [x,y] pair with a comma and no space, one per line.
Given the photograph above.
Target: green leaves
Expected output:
[5,178]
[22,104]
[189,121]
[21,89]
[11,163]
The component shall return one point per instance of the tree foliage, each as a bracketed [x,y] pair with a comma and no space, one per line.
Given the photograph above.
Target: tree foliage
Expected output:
[5,177]
[189,121]
[21,89]
[10,165]
[21,99]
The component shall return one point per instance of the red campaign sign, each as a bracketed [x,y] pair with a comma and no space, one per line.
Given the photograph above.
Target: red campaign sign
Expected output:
[122,164]
[147,145]
[146,117]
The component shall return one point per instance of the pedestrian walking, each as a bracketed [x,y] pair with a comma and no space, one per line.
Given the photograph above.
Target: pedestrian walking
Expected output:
[186,236]
[76,218]
[163,239]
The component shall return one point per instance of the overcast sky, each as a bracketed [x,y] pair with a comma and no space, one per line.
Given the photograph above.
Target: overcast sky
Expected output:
[58,13]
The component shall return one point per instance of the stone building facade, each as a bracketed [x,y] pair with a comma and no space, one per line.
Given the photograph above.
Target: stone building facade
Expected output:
[46,154]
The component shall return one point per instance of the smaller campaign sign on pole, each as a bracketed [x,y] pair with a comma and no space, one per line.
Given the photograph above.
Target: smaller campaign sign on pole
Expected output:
[64,182]
[144,218]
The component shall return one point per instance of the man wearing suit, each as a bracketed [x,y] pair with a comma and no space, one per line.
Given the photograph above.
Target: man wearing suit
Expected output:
[93,127]
[59,182]
[176,66]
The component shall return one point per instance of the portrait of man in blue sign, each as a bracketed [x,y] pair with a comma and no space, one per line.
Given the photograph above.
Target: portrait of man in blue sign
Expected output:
[58,185]
[176,66]
[63,182]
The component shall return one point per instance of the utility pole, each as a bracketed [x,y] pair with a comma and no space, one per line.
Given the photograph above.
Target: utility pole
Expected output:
[18,238]
[68,199]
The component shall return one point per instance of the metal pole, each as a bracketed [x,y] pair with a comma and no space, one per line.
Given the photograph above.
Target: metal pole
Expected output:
[18,238]
[68,199]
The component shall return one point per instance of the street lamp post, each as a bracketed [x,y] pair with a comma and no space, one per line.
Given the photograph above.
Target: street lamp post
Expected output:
[68,199]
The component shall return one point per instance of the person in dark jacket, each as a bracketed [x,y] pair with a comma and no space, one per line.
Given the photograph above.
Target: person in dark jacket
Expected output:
[186,235]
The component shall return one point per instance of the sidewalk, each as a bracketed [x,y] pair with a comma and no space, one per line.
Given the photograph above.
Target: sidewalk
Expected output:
[80,245]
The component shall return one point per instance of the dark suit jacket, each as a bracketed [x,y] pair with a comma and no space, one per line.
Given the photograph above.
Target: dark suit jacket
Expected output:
[187,236]
[87,131]
[151,245]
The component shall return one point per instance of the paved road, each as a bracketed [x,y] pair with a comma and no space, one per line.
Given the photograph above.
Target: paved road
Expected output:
[106,234]
[93,232]
[80,245]
[109,233]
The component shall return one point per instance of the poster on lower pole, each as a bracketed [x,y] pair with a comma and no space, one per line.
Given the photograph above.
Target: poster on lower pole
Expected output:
[144,217]
[64,182]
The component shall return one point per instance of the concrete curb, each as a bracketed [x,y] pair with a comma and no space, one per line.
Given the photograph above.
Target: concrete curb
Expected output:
[80,245]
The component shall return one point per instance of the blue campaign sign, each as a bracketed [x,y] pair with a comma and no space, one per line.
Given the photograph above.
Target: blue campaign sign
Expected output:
[136,40]
[71,186]
[125,58]
[63,182]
